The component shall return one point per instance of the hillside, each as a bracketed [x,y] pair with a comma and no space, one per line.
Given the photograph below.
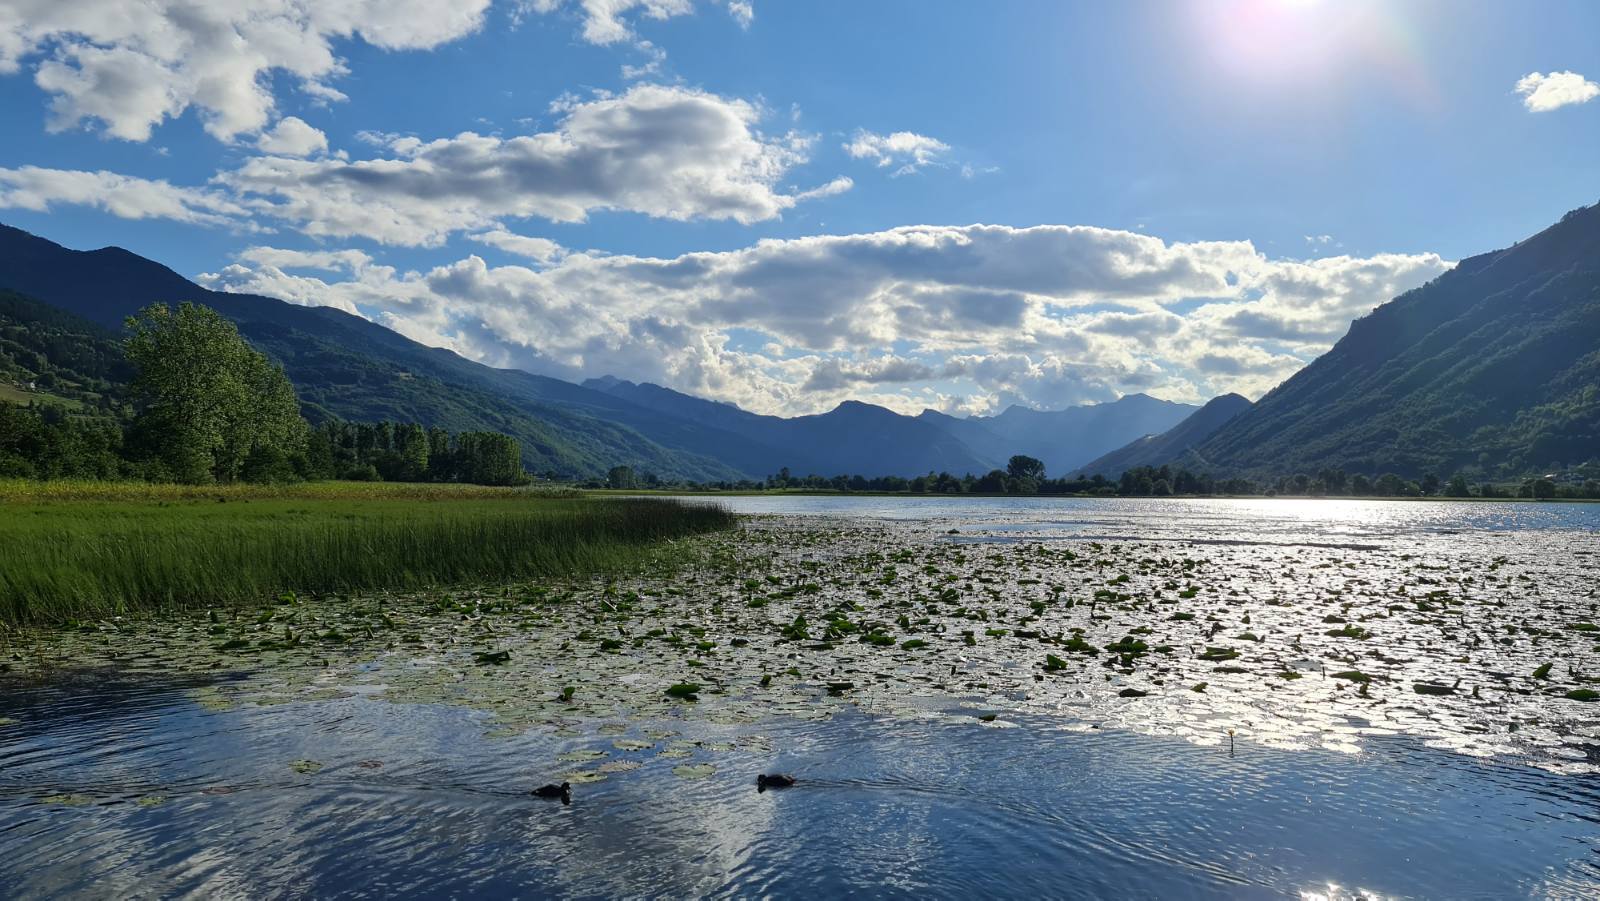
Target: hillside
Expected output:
[1492,368]
[1157,450]
[344,366]
[51,356]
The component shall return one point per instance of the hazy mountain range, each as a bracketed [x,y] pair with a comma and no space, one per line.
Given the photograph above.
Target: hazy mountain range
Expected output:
[1494,366]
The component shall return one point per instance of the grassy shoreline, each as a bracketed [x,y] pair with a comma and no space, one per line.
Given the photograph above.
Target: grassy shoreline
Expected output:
[74,556]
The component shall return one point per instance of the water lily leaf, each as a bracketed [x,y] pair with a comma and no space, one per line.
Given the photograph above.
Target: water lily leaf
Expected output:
[694,770]
[306,767]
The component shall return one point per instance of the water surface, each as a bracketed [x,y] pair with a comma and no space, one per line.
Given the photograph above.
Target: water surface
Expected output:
[142,759]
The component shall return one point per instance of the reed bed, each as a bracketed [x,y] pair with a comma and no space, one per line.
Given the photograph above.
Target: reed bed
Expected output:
[85,559]
[27,491]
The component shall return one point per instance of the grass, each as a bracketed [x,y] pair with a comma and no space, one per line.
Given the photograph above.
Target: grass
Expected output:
[20,491]
[88,551]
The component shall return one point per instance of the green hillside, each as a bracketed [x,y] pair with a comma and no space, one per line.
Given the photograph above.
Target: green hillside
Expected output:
[1492,370]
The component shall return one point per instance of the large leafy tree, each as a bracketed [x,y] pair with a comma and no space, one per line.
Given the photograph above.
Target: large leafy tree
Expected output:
[208,401]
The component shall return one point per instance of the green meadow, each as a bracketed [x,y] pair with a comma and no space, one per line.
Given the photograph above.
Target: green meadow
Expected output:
[77,550]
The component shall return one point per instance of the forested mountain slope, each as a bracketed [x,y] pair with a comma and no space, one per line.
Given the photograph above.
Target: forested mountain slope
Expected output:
[1492,368]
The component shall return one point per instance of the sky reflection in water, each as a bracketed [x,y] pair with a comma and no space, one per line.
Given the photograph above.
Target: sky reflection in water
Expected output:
[114,786]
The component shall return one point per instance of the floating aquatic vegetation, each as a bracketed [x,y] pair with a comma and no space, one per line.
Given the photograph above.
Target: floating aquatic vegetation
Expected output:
[694,770]
[895,621]
[306,767]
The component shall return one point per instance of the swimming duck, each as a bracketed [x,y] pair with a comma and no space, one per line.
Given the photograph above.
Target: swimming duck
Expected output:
[562,791]
[773,780]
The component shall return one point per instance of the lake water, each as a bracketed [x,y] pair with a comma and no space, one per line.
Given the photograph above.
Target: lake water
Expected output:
[130,767]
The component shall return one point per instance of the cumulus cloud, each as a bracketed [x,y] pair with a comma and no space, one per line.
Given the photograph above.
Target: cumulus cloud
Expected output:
[39,189]
[668,152]
[742,12]
[130,66]
[292,137]
[913,316]
[907,150]
[1542,93]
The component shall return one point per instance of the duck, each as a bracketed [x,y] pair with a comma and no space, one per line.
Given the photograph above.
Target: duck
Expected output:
[562,791]
[773,780]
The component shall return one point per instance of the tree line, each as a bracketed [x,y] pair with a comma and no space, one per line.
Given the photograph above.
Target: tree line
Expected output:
[1026,476]
[208,408]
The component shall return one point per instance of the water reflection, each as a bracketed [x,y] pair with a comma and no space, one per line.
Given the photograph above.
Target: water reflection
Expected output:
[886,806]
[950,773]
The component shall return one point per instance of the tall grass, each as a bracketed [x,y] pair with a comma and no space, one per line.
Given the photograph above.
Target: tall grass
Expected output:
[83,559]
[22,491]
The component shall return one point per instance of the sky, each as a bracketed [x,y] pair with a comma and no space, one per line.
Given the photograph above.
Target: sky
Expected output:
[785,204]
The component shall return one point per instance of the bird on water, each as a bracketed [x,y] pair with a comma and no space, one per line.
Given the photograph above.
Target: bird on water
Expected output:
[562,791]
[773,780]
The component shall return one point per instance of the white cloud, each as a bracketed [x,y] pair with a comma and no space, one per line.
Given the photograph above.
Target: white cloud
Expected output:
[921,315]
[292,137]
[905,149]
[540,250]
[605,21]
[654,58]
[1542,93]
[838,186]
[130,66]
[742,12]
[667,152]
[39,189]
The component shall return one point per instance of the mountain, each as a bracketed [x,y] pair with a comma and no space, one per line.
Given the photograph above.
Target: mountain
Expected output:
[50,356]
[1493,368]
[852,439]
[345,366]
[1063,439]
[1157,450]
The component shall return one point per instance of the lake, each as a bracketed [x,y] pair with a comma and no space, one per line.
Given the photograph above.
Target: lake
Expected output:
[1009,697]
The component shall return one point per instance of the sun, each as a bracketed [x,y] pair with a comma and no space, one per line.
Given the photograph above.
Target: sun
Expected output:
[1275,38]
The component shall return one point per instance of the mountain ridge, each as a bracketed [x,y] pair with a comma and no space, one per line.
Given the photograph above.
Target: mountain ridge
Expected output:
[1492,369]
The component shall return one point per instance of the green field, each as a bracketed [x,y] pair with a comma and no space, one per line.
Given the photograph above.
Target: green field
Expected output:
[83,550]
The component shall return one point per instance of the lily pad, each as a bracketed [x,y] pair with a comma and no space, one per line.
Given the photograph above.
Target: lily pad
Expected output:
[694,770]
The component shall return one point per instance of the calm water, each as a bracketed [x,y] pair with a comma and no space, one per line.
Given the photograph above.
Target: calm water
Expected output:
[121,785]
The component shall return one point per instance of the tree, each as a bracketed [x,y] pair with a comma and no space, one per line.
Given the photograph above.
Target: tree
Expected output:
[1389,485]
[1458,487]
[620,477]
[490,458]
[993,483]
[1543,488]
[207,400]
[1022,466]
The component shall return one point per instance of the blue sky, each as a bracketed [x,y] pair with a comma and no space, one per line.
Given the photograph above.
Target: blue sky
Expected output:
[784,204]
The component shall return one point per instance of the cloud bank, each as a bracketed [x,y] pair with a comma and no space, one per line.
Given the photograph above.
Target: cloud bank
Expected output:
[958,318]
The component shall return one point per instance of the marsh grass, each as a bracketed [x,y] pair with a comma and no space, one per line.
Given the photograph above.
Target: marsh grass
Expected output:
[27,491]
[83,558]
